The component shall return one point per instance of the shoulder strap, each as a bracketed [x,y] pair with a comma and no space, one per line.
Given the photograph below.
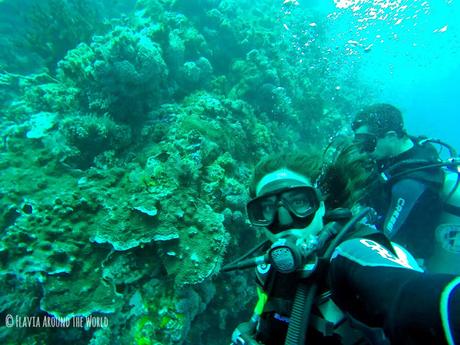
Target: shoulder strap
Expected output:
[371,233]
[452,209]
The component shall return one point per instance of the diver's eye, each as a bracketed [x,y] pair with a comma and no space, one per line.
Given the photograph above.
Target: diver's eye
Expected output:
[268,207]
[301,206]
[300,203]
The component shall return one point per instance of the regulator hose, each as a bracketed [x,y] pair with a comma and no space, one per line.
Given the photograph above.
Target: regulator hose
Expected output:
[306,290]
[300,314]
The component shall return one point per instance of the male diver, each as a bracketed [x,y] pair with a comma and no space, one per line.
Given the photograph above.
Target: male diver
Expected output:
[417,205]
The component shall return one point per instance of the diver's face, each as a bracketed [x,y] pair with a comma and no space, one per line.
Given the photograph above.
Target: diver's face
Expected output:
[286,204]
[367,141]
[377,147]
[385,147]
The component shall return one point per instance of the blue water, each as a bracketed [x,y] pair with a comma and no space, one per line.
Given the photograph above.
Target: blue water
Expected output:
[412,58]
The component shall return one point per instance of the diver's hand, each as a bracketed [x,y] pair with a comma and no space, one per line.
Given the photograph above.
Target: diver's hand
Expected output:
[244,334]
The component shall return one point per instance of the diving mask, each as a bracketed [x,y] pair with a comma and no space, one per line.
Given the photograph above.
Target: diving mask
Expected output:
[300,201]
[366,141]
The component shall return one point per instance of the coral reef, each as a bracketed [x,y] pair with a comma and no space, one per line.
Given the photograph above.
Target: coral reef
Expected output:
[88,136]
[121,74]
[70,22]
[124,174]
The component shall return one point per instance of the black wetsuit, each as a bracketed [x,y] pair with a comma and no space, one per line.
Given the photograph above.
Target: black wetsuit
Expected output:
[370,283]
[374,288]
[410,206]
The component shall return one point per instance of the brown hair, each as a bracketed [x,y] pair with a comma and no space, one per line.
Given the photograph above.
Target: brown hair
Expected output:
[343,182]
[349,178]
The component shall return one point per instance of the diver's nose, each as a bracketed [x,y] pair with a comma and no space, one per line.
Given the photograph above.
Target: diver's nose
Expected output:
[284,217]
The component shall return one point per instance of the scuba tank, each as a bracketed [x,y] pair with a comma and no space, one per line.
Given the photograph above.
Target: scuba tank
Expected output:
[446,255]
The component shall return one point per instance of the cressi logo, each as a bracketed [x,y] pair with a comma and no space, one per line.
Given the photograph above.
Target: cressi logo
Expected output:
[395,215]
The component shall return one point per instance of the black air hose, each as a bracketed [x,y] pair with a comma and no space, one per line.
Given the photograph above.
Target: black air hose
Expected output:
[306,291]
[300,314]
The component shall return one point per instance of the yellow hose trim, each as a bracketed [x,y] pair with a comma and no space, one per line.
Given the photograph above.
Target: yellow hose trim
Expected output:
[260,302]
[445,309]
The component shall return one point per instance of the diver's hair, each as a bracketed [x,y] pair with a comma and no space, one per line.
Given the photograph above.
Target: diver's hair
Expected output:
[349,179]
[306,164]
[380,118]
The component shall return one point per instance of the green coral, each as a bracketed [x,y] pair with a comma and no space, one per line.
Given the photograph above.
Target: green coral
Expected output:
[121,73]
[68,22]
[195,254]
[80,294]
[124,228]
[129,201]
[89,136]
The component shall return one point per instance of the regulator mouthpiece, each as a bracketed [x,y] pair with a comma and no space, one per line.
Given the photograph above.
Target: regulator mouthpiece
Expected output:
[285,256]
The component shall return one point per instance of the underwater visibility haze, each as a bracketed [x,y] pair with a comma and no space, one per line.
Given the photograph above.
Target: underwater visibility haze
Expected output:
[129,130]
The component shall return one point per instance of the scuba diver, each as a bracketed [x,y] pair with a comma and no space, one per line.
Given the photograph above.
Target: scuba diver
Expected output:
[326,277]
[418,204]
